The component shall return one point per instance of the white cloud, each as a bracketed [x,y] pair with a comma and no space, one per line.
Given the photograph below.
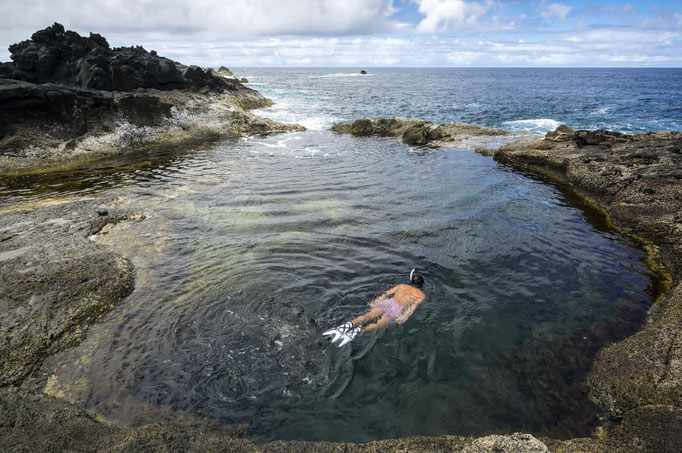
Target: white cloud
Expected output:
[349,33]
[555,11]
[233,18]
[450,15]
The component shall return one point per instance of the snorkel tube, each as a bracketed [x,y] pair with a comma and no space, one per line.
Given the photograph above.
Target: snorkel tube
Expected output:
[412,273]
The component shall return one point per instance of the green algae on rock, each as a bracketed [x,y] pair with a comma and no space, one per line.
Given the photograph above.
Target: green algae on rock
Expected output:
[51,303]
[637,180]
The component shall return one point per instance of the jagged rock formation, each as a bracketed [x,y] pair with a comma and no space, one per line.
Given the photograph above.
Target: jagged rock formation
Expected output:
[67,97]
[55,55]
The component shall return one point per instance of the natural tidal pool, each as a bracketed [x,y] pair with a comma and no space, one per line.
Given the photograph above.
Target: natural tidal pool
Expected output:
[252,248]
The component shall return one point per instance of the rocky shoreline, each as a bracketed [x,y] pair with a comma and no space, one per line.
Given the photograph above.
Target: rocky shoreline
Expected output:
[637,179]
[634,177]
[67,98]
[57,107]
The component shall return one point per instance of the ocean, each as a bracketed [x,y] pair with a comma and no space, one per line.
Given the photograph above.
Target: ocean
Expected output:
[538,100]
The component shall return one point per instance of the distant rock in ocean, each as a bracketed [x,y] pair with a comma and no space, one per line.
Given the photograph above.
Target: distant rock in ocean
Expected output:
[55,55]
[363,72]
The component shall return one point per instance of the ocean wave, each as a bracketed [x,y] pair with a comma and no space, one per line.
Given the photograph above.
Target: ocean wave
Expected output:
[297,111]
[600,111]
[534,125]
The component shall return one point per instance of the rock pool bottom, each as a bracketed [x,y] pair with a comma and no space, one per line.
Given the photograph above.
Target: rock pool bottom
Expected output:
[251,249]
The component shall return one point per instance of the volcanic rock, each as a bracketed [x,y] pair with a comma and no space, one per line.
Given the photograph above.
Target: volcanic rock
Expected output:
[414,132]
[55,55]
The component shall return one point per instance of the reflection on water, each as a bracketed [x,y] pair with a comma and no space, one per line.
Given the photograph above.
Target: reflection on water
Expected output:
[252,248]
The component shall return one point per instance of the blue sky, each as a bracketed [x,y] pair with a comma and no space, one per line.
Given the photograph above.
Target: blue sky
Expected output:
[366,33]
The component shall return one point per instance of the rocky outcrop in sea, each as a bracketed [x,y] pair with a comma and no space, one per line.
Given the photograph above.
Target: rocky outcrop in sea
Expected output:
[67,97]
[415,132]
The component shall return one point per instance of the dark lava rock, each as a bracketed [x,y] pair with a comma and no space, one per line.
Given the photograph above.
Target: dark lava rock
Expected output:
[600,137]
[413,132]
[562,133]
[102,212]
[363,72]
[55,55]
[243,80]
[422,134]
[75,109]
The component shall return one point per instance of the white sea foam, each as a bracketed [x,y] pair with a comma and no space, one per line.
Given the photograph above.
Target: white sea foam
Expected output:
[282,143]
[600,111]
[292,110]
[534,125]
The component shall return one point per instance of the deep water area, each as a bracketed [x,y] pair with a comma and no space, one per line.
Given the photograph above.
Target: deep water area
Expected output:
[251,248]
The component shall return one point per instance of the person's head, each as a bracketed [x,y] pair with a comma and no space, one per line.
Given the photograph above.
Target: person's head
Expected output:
[416,279]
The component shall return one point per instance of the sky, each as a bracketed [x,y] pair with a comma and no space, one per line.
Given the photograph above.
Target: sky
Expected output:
[371,33]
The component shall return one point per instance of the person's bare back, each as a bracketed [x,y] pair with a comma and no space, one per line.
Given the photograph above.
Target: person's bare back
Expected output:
[395,305]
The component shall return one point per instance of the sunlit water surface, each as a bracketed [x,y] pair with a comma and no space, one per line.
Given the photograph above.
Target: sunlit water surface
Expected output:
[252,248]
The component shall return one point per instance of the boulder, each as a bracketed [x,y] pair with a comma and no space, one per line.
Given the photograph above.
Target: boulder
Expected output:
[562,133]
[243,80]
[224,72]
[422,134]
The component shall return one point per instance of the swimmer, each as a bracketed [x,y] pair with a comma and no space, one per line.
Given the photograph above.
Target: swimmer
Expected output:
[395,305]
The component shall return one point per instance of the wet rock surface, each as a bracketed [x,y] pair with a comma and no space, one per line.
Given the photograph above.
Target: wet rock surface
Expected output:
[414,132]
[638,180]
[55,282]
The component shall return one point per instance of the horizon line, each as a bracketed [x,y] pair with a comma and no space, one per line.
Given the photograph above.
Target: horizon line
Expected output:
[457,67]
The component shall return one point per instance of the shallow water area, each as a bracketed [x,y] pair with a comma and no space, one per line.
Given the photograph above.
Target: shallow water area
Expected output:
[251,248]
